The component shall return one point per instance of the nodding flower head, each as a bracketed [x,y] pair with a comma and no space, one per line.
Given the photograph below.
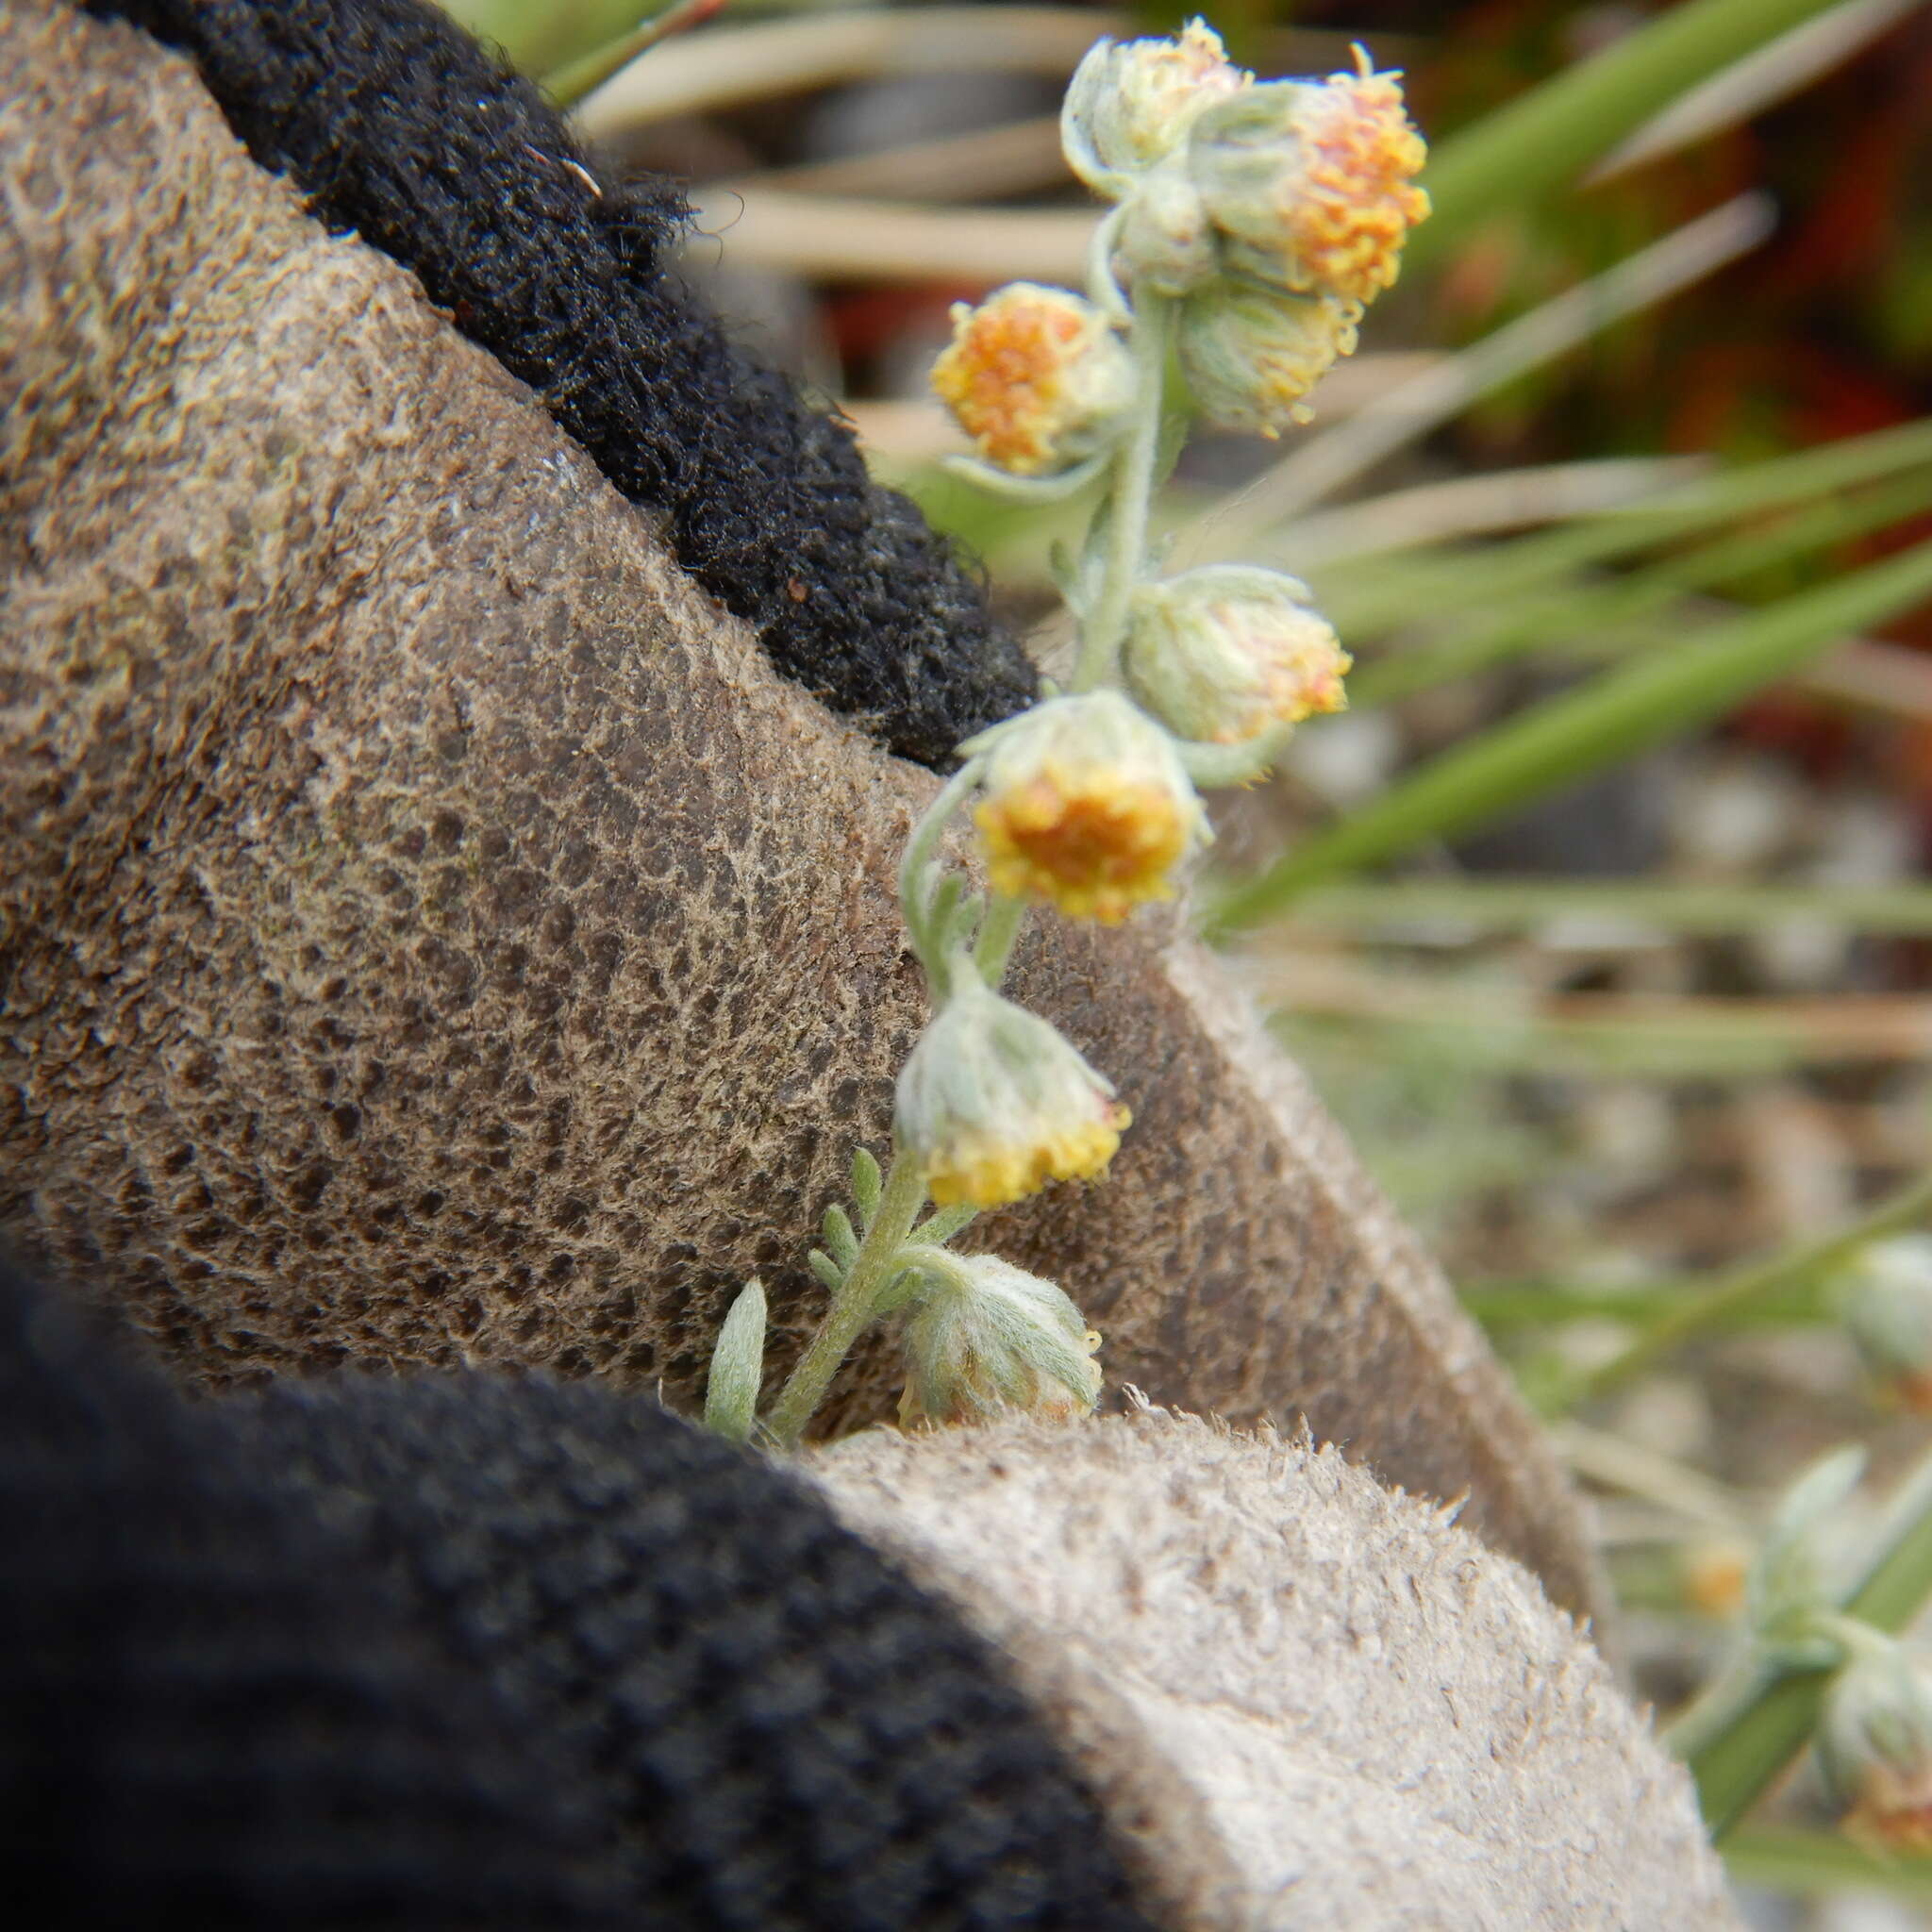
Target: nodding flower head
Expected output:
[994,1103]
[1037,377]
[988,1337]
[1251,355]
[1226,653]
[1310,183]
[1132,102]
[1875,1747]
[1086,806]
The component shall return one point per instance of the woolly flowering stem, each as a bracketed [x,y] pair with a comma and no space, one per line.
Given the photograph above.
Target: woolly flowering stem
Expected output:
[854,1302]
[1129,500]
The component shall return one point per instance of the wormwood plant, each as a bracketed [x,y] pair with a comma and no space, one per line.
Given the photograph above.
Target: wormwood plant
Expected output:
[1249,223]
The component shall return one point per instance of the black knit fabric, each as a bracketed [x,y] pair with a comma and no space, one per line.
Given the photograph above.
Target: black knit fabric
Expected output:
[399,127]
[212,1714]
[467,1651]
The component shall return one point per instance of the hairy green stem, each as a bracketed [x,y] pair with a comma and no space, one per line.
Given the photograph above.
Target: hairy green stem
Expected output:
[1858,1638]
[1742,1683]
[1128,501]
[854,1305]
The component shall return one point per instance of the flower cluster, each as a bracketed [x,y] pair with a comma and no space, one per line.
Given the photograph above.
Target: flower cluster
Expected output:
[1034,377]
[1278,208]
[1874,1742]
[1250,222]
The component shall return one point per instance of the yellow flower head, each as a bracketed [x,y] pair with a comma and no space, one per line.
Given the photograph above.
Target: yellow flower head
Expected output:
[1251,353]
[1311,183]
[1132,102]
[988,1337]
[1086,806]
[1223,654]
[995,1104]
[1036,378]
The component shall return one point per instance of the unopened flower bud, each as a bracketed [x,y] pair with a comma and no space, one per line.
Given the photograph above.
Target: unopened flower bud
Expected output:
[1308,182]
[1131,101]
[1223,654]
[1885,1298]
[1087,806]
[987,1337]
[1037,377]
[1251,355]
[1166,241]
[1875,1747]
[994,1103]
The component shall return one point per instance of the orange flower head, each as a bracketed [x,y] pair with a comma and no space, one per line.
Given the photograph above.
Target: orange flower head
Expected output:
[1037,377]
[1714,1577]
[1312,183]
[1087,808]
[1894,1811]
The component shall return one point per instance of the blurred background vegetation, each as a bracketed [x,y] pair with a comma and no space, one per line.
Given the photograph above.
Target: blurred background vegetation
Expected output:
[1602,918]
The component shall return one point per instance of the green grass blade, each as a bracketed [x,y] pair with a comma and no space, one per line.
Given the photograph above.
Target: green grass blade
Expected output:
[539,36]
[1521,905]
[1567,739]
[1500,1307]
[1578,610]
[1385,593]
[1720,1302]
[1820,1864]
[1538,144]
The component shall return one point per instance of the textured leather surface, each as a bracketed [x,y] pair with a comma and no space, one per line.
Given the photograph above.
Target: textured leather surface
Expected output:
[433,934]
[1311,1701]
